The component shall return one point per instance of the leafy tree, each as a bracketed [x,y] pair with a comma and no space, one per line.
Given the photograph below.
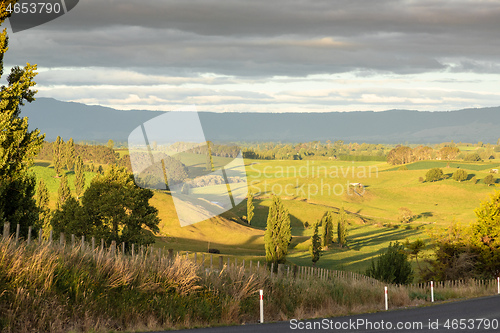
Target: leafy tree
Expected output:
[327,222]
[278,234]
[405,215]
[315,247]
[63,193]
[250,207]
[69,154]
[449,153]
[472,157]
[460,175]
[393,266]
[434,174]
[79,177]
[400,155]
[57,156]
[42,203]
[489,179]
[72,219]
[119,210]
[111,144]
[342,228]
[485,236]
[415,248]
[18,145]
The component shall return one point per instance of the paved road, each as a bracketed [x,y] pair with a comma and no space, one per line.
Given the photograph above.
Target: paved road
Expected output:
[476,314]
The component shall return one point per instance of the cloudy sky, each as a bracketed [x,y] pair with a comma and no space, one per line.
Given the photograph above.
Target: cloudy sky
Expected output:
[269,56]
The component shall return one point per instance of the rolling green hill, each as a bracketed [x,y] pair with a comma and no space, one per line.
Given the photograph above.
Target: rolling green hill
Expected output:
[308,189]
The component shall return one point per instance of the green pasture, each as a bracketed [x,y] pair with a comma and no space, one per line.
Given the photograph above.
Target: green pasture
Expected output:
[310,188]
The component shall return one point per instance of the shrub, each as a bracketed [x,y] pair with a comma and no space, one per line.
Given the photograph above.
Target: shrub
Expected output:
[405,215]
[434,174]
[421,179]
[460,175]
[473,180]
[392,266]
[215,251]
[489,179]
[403,168]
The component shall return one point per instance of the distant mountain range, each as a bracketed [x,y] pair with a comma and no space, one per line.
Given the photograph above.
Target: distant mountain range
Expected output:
[97,123]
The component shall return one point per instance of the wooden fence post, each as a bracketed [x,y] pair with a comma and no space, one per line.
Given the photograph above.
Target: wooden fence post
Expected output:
[113,247]
[17,232]
[203,261]
[123,247]
[82,246]
[6,230]
[196,258]
[133,250]
[61,239]
[50,237]
[102,244]
[93,243]
[211,262]
[170,255]
[72,240]
[29,235]
[280,271]
[221,263]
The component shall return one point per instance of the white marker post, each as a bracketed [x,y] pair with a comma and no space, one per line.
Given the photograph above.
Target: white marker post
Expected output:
[432,291]
[261,298]
[498,284]
[386,300]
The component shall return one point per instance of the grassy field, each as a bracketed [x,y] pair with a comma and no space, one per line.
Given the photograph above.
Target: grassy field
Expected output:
[310,188]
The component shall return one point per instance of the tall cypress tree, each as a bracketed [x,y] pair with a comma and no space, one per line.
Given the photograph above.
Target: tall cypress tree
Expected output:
[18,145]
[278,232]
[315,247]
[79,176]
[327,222]
[210,160]
[250,207]
[57,155]
[63,193]
[42,202]
[69,154]
[342,227]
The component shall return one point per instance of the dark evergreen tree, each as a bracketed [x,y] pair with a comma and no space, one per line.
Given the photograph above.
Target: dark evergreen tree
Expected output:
[393,266]
[69,154]
[57,156]
[342,228]
[42,202]
[63,193]
[278,232]
[315,247]
[79,177]
[18,145]
[250,207]
[327,222]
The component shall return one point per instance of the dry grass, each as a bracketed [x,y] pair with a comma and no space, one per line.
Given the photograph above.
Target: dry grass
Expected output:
[48,288]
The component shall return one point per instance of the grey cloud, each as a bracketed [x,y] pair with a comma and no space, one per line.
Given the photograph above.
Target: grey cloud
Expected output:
[267,38]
